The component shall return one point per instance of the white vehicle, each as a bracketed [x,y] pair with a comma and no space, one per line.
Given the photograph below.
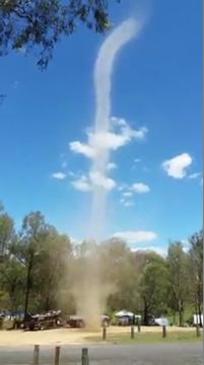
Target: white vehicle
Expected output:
[162,321]
[126,318]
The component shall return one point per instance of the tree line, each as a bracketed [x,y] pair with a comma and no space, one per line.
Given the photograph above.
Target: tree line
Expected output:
[39,266]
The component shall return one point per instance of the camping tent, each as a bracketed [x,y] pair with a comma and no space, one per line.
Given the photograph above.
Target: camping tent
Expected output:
[124,313]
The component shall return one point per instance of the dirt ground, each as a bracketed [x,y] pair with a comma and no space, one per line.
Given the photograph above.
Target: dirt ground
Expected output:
[65,336]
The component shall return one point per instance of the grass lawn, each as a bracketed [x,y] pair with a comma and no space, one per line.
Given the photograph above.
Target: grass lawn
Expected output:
[150,337]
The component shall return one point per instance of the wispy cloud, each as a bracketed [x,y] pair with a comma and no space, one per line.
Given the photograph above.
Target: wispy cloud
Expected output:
[162,251]
[82,148]
[177,166]
[128,203]
[102,181]
[132,237]
[128,192]
[82,184]
[94,179]
[195,175]
[121,135]
[111,166]
[59,175]
[140,188]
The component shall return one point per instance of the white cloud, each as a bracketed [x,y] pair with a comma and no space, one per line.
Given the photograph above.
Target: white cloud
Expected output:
[195,175]
[101,180]
[127,194]
[98,144]
[82,184]
[59,175]
[120,135]
[185,245]
[86,183]
[140,188]
[127,130]
[82,148]
[132,237]
[176,167]
[128,203]
[108,140]
[162,251]
[111,166]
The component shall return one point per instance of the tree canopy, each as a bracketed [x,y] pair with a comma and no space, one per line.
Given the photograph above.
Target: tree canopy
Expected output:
[41,269]
[37,25]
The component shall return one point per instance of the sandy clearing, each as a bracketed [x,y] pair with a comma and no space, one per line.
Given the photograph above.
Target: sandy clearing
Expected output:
[65,336]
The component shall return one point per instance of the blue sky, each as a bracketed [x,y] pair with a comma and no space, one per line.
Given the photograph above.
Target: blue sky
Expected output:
[156,83]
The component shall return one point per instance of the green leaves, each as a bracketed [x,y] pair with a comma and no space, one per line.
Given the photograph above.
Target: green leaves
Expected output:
[7,234]
[40,264]
[37,25]
[154,286]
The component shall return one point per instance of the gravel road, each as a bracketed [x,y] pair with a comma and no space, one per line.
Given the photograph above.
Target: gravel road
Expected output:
[155,354]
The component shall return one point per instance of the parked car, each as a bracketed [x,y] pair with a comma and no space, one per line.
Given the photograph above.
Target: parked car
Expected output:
[156,321]
[161,321]
[75,321]
[125,318]
[51,319]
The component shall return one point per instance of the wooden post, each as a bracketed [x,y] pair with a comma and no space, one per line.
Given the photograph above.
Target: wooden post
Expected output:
[36,355]
[197,330]
[138,326]
[132,333]
[57,355]
[104,333]
[84,357]
[164,331]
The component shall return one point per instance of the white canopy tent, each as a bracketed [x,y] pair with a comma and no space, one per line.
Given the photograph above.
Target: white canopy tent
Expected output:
[124,313]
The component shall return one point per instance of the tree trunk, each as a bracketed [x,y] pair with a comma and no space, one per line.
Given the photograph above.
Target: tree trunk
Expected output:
[200,315]
[200,305]
[47,303]
[145,313]
[174,318]
[28,286]
[181,310]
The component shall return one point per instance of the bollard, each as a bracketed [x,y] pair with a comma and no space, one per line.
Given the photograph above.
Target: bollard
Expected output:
[84,357]
[104,333]
[197,330]
[36,355]
[164,331]
[57,355]
[132,333]
[138,326]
